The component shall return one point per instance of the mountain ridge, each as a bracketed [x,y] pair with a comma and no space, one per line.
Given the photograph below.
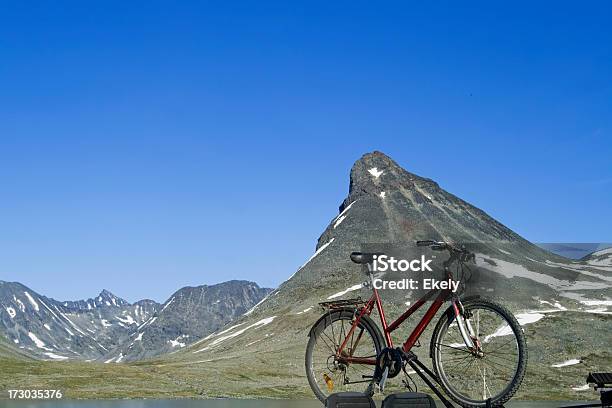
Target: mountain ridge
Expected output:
[95,328]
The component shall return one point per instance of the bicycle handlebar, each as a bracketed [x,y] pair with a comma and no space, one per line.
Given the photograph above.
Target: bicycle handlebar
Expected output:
[435,245]
[441,246]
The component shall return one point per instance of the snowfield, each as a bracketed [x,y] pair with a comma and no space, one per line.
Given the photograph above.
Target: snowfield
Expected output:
[32,301]
[219,340]
[55,356]
[38,342]
[522,318]
[510,270]
[566,363]
[344,292]
[375,172]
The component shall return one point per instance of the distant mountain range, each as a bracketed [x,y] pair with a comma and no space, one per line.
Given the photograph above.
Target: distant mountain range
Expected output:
[573,250]
[108,328]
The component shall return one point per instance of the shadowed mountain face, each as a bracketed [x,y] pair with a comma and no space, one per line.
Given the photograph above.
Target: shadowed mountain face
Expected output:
[107,328]
[190,314]
[387,204]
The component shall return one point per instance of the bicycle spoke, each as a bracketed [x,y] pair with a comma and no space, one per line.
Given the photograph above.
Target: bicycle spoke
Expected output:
[333,346]
[455,348]
[490,356]
[332,374]
[503,345]
[477,377]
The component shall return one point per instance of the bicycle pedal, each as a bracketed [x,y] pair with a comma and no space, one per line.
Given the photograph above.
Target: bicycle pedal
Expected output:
[383,380]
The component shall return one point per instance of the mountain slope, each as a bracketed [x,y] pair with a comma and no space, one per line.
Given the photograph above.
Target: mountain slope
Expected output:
[603,257]
[190,314]
[387,204]
[10,351]
[84,329]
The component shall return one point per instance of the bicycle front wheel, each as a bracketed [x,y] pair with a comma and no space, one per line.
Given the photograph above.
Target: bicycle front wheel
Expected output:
[494,369]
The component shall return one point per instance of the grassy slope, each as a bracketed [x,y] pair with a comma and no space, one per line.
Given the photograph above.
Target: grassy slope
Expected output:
[89,380]
[274,368]
[7,350]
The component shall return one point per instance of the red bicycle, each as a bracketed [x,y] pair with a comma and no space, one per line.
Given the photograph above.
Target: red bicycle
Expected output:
[478,348]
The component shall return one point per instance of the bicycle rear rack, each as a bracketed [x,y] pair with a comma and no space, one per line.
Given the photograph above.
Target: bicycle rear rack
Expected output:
[343,303]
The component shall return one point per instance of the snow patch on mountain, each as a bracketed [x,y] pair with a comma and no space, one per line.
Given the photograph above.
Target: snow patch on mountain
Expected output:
[523,319]
[222,332]
[304,311]
[166,305]
[567,363]
[219,340]
[20,304]
[596,302]
[32,301]
[128,320]
[511,270]
[344,292]
[39,343]
[55,356]
[177,343]
[318,251]
[375,172]
[339,221]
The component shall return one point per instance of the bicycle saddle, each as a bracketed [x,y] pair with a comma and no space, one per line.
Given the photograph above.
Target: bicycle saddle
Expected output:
[363,258]
[360,258]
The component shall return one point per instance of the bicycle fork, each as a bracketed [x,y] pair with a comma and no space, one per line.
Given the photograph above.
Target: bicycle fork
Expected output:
[464,324]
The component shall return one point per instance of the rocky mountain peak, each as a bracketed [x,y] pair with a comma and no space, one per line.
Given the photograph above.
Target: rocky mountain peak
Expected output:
[375,173]
[109,299]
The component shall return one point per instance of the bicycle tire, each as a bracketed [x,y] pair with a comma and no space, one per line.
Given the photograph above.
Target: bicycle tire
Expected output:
[512,387]
[329,318]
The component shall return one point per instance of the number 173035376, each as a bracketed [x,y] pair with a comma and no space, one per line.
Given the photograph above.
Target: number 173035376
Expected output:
[35,394]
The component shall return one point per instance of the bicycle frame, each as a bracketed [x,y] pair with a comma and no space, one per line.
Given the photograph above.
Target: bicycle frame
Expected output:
[375,301]
[466,329]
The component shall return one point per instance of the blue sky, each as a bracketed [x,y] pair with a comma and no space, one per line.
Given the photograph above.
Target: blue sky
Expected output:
[145,146]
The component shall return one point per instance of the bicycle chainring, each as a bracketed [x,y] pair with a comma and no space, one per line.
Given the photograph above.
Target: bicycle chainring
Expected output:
[391,358]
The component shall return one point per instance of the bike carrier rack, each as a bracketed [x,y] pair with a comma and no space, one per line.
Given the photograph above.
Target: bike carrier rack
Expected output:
[603,383]
[427,376]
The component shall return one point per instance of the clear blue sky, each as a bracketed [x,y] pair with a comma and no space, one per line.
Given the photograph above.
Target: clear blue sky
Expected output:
[145,146]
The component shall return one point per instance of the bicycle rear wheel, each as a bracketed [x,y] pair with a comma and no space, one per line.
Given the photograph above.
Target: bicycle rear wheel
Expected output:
[326,373]
[492,372]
